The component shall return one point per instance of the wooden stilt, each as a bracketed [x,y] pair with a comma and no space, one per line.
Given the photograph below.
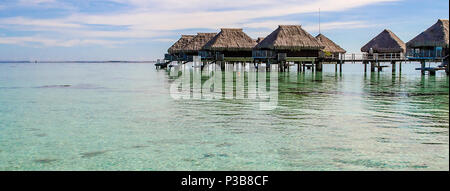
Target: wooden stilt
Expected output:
[222,65]
[319,66]
[365,67]
[432,72]
[335,67]
[422,67]
[393,66]
[446,64]
[340,67]
[372,66]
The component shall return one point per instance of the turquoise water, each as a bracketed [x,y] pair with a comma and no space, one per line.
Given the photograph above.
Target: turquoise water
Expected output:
[120,116]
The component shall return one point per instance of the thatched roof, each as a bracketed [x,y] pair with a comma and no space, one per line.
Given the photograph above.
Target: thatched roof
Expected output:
[178,46]
[290,37]
[231,40]
[385,42]
[259,39]
[436,35]
[198,42]
[330,46]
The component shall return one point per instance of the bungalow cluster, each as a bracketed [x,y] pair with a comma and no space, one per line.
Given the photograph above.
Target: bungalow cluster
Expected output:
[292,44]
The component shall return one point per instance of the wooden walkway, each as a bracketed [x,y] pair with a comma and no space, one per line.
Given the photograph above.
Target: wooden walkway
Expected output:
[375,61]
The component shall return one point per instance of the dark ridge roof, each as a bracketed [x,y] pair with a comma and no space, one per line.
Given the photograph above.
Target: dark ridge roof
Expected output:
[385,42]
[290,37]
[230,39]
[178,46]
[330,46]
[198,42]
[436,35]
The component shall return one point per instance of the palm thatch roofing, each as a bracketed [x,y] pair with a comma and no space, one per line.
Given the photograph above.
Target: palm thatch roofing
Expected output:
[330,46]
[259,39]
[178,46]
[231,40]
[198,42]
[436,35]
[289,37]
[385,42]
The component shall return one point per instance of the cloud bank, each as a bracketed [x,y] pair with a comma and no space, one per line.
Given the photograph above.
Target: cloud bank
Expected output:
[161,20]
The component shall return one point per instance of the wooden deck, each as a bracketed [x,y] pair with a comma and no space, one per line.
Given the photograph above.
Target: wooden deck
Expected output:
[365,57]
[373,60]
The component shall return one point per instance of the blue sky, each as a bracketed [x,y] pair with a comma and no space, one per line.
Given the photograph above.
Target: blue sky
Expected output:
[144,29]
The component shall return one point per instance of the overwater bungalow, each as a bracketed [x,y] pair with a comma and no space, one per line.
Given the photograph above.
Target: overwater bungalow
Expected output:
[288,43]
[332,51]
[385,46]
[231,45]
[432,44]
[195,45]
[175,51]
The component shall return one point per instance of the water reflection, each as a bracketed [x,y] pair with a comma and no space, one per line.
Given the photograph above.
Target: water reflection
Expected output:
[235,82]
[322,120]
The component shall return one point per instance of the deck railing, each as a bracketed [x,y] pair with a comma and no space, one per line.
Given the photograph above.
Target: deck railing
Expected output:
[426,54]
[374,56]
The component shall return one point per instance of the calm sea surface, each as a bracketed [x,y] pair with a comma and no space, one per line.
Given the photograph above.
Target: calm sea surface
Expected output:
[119,116]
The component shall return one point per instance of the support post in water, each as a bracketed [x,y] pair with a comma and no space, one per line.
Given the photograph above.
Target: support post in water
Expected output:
[393,66]
[422,67]
[447,68]
[222,65]
[372,66]
[365,66]
[319,66]
[432,72]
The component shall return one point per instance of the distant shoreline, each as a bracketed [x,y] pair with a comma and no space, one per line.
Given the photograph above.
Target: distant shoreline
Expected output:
[109,61]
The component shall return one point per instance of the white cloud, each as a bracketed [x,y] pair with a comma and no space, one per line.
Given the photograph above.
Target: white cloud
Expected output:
[168,16]
[55,42]
[338,25]
[165,40]
[182,19]
[35,2]
[56,23]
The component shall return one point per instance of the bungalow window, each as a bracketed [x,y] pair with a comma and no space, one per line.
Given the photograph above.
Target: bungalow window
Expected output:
[438,51]
[262,53]
[205,54]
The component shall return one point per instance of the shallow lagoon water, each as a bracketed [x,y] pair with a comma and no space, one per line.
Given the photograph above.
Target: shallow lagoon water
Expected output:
[120,116]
